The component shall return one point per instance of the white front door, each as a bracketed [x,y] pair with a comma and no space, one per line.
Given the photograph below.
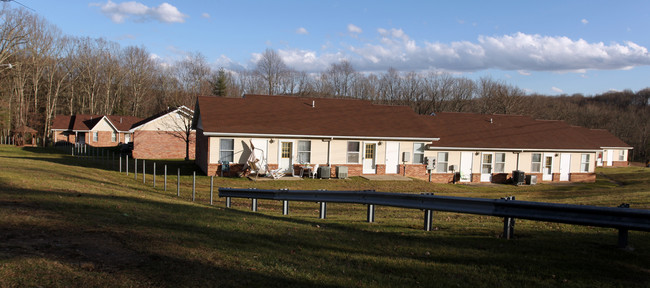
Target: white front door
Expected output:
[370,151]
[392,157]
[610,157]
[81,138]
[599,160]
[548,167]
[286,156]
[565,166]
[127,138]
[466,159]
[486,167]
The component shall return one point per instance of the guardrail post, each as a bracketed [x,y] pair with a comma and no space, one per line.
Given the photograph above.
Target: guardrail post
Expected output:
[211,188]
[322,213]
[428,219]
[428,216]
[285,207]
[228,202]
[165,184]
[371,213]
[127,164]
[178,183]
[623,234]
[120,164]
[135,165]
[154,174]
[508,223]
[254,205]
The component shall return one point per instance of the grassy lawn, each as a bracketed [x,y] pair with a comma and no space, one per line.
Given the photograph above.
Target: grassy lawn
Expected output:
[70,222]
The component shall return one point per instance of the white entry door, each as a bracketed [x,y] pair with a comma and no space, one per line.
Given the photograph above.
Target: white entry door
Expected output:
[286,156]
[610,157]
[82,138]
[370,151]
[466,161]
[392,157]
[486,167]
[548,167]
[565,166]
[599,160]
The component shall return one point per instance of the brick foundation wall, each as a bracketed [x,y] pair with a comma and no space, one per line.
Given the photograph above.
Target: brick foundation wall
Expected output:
[583,177]
[620,164]
[162,145]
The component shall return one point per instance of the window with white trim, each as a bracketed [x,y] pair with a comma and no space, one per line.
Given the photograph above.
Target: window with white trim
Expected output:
[227,150]
[584,163]
[113,136]
[354,148]
[95,136]
[418,153]
[499,162]
[304,152]
[621,155]
[443,162]
[536,163]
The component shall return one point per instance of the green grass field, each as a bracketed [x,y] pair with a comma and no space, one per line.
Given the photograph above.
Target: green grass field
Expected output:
[70,222]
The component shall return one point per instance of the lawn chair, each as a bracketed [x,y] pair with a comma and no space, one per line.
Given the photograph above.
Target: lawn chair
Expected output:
[276,174]
[313,172]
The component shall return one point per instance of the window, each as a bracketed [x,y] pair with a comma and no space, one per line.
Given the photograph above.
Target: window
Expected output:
[536,165]
[442,162]
[127,138]
[304,152]
[370,151]
[287,147]
[227,150]
[95,136]
[621,155]
[499,162]
[113,137]
[486,168]
[584,163]
[353,152]
[418,153]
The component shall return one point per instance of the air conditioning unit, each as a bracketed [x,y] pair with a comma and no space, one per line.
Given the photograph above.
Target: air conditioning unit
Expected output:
[324,172]
[342,172]
[518,177]
[531,179]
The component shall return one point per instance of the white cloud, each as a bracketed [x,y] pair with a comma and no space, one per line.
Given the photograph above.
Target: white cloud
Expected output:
[119,12]
[520,52]
[523,72]
[557,90]
[205,15]
[354,29]
[302,31]
[584,21]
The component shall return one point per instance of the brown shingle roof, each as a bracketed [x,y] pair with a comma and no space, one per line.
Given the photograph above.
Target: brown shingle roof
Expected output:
[85,122]
[288,115]
[468,130]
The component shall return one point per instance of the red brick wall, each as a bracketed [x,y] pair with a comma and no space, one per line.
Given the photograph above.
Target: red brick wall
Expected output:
[620,164]
[583,177]
[161,145]
[103,139]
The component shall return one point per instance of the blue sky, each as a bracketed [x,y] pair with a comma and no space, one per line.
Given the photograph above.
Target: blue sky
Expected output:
[549,47]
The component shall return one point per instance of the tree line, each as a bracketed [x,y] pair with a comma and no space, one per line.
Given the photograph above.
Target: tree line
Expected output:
[44,73]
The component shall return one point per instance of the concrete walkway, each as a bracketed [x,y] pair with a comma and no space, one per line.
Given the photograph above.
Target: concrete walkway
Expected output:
[392,177]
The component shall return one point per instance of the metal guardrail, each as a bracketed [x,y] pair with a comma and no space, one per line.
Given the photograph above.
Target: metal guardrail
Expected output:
[621,218]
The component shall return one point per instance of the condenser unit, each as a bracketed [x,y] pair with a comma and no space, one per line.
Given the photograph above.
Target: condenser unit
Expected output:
[531,179]
[341,172]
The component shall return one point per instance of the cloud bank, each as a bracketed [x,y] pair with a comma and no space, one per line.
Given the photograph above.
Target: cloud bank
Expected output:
[517,52]
[138,12]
